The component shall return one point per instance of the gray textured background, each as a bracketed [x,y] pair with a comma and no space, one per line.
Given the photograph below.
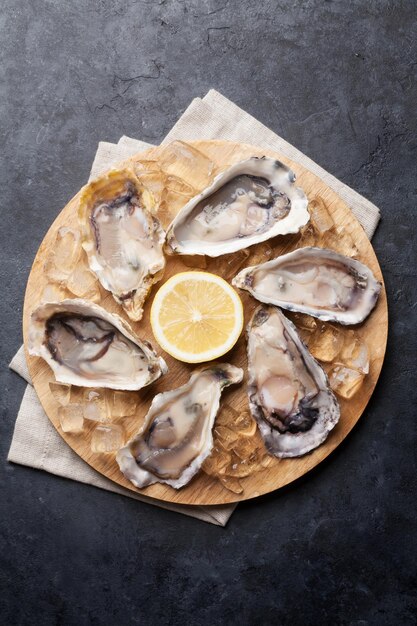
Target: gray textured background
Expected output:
[335,78]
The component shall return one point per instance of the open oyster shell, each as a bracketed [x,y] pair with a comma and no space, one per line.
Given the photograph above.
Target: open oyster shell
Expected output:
[122,237]
[250,202]
[289,394]
[176,436]
[316,281]
[87,346]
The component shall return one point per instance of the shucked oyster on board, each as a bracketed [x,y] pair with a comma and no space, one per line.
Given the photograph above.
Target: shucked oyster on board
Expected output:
[316,281]
[289,394]
[176,436]
[86,346]
[122,237]
[248,203]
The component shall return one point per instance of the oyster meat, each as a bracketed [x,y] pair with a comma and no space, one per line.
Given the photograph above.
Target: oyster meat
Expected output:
[122,237]
[250,202]
[89,347]
[316,281]
[176,436]
[289,394]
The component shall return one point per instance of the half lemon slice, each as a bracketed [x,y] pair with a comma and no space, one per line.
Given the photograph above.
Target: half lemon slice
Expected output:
[196,317]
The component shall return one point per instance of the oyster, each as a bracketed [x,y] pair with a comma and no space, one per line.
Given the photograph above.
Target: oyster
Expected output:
[177,435]
[250,202]
[316,281]
[87,346]
[289,394]
[122,237]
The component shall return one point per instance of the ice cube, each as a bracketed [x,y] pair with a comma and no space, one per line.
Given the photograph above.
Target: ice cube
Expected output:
[227,416]
[171,204]
[171,192]
[180,187]
[245,424]
[61,392]
[54,293]
[76,395]
[341,241]
[320,215]
[306,336]
[241,422]
[301,320]
[52,273]
[65,254]
[154,182]
[122,403]
[232,484]
[238,468]
[71,418]
[145,165]
[344,380]
[326,343]
[107,438]
[215,464]
[228,265]
[245,448]
[67,248]
[355,353]
[309,236]
[347,245]
[96,405]
[225,437]
[83,284]
[188,163]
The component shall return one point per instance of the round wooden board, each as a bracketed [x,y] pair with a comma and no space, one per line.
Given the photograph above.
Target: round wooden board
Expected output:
[203,489]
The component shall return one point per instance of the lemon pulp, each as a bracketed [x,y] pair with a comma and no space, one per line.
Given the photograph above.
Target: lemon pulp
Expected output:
[196,316]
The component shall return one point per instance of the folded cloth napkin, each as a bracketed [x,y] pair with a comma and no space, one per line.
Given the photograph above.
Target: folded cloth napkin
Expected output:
[35,441]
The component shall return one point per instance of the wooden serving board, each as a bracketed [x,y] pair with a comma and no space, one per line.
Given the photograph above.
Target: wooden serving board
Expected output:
[203,489]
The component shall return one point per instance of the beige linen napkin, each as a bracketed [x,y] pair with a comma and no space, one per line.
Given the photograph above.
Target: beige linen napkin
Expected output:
[35,441]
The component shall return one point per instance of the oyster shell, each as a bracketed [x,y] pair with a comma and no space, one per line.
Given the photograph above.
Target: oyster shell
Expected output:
[87,346]
[289,394]
[250,202]
[122,237]
[316,281]
[176,436]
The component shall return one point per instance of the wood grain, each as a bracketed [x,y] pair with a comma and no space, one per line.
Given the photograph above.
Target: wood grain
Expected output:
[204,490]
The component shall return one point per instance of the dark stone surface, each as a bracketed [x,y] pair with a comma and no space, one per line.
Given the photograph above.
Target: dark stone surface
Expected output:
[335,78]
